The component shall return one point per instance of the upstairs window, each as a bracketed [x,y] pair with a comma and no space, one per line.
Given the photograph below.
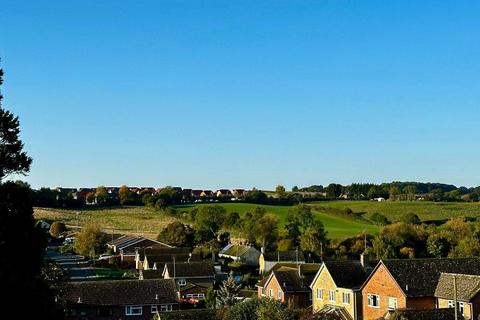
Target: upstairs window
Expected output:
[392,303]
[373,300]
[319,294]
[331,295]
[346,298]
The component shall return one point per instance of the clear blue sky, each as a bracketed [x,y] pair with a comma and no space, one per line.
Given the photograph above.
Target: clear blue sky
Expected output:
[209,94]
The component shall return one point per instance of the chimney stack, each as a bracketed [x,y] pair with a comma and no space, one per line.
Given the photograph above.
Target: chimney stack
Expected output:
[364,260]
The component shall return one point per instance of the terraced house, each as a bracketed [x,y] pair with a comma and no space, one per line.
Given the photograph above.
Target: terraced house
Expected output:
[467,294]
[336,288]
[408,284]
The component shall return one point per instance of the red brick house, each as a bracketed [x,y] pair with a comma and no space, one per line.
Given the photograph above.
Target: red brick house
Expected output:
[408,284]
[289,285]
[119,299]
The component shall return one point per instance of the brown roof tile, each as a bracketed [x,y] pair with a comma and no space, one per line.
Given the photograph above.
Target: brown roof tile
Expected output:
[122,292]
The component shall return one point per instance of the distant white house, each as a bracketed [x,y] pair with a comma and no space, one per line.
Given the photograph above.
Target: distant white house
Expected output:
[241,253]
[379,199]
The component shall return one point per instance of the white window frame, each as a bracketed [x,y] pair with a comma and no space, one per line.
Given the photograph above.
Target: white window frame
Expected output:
[370,300]
[270,293]
[461,307]
[395,303]
[451,304]
[195,295]
[153,308]
[319,294]
[165,307]
[280,294]
[182,282]
[129,310]
[347,295]
[331,295]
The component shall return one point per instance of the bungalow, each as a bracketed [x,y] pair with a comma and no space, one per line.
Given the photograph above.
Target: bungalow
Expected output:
[129,244]
[336,288]
[117,299]
[267,260]
[467,294]
[408,284]
[289,284]
[241,253]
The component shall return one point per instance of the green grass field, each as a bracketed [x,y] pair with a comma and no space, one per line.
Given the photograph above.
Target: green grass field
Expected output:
[337,227]
[142,220]
[427,211]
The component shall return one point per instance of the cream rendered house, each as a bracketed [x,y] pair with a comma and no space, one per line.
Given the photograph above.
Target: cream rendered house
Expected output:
[336,288]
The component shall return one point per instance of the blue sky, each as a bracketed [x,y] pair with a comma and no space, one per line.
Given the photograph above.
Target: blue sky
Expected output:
[210,94]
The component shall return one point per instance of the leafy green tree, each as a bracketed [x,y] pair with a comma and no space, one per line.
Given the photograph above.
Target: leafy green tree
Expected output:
[57,228]
[438,246]
[90,241]
[208,221]
[211,299]
[411,218]
[101,195]
[271,309]
[379,219]
[466,247]
[267,230]
[394,191]
[21,241]
[256,196]
[410,191]
[177,234]
[56,278]
[231,220]
[247,310]
[394,237]
[299,219]
[126,196]
[314,238]
[295,189]
[334,190]
[280,191]
[229,292]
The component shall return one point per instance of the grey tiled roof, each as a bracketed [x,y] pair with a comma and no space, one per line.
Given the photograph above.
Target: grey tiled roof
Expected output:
[348,274]
[419,277]
[468,286]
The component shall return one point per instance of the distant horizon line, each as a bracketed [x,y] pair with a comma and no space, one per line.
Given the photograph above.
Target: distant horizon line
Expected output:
[288,187]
